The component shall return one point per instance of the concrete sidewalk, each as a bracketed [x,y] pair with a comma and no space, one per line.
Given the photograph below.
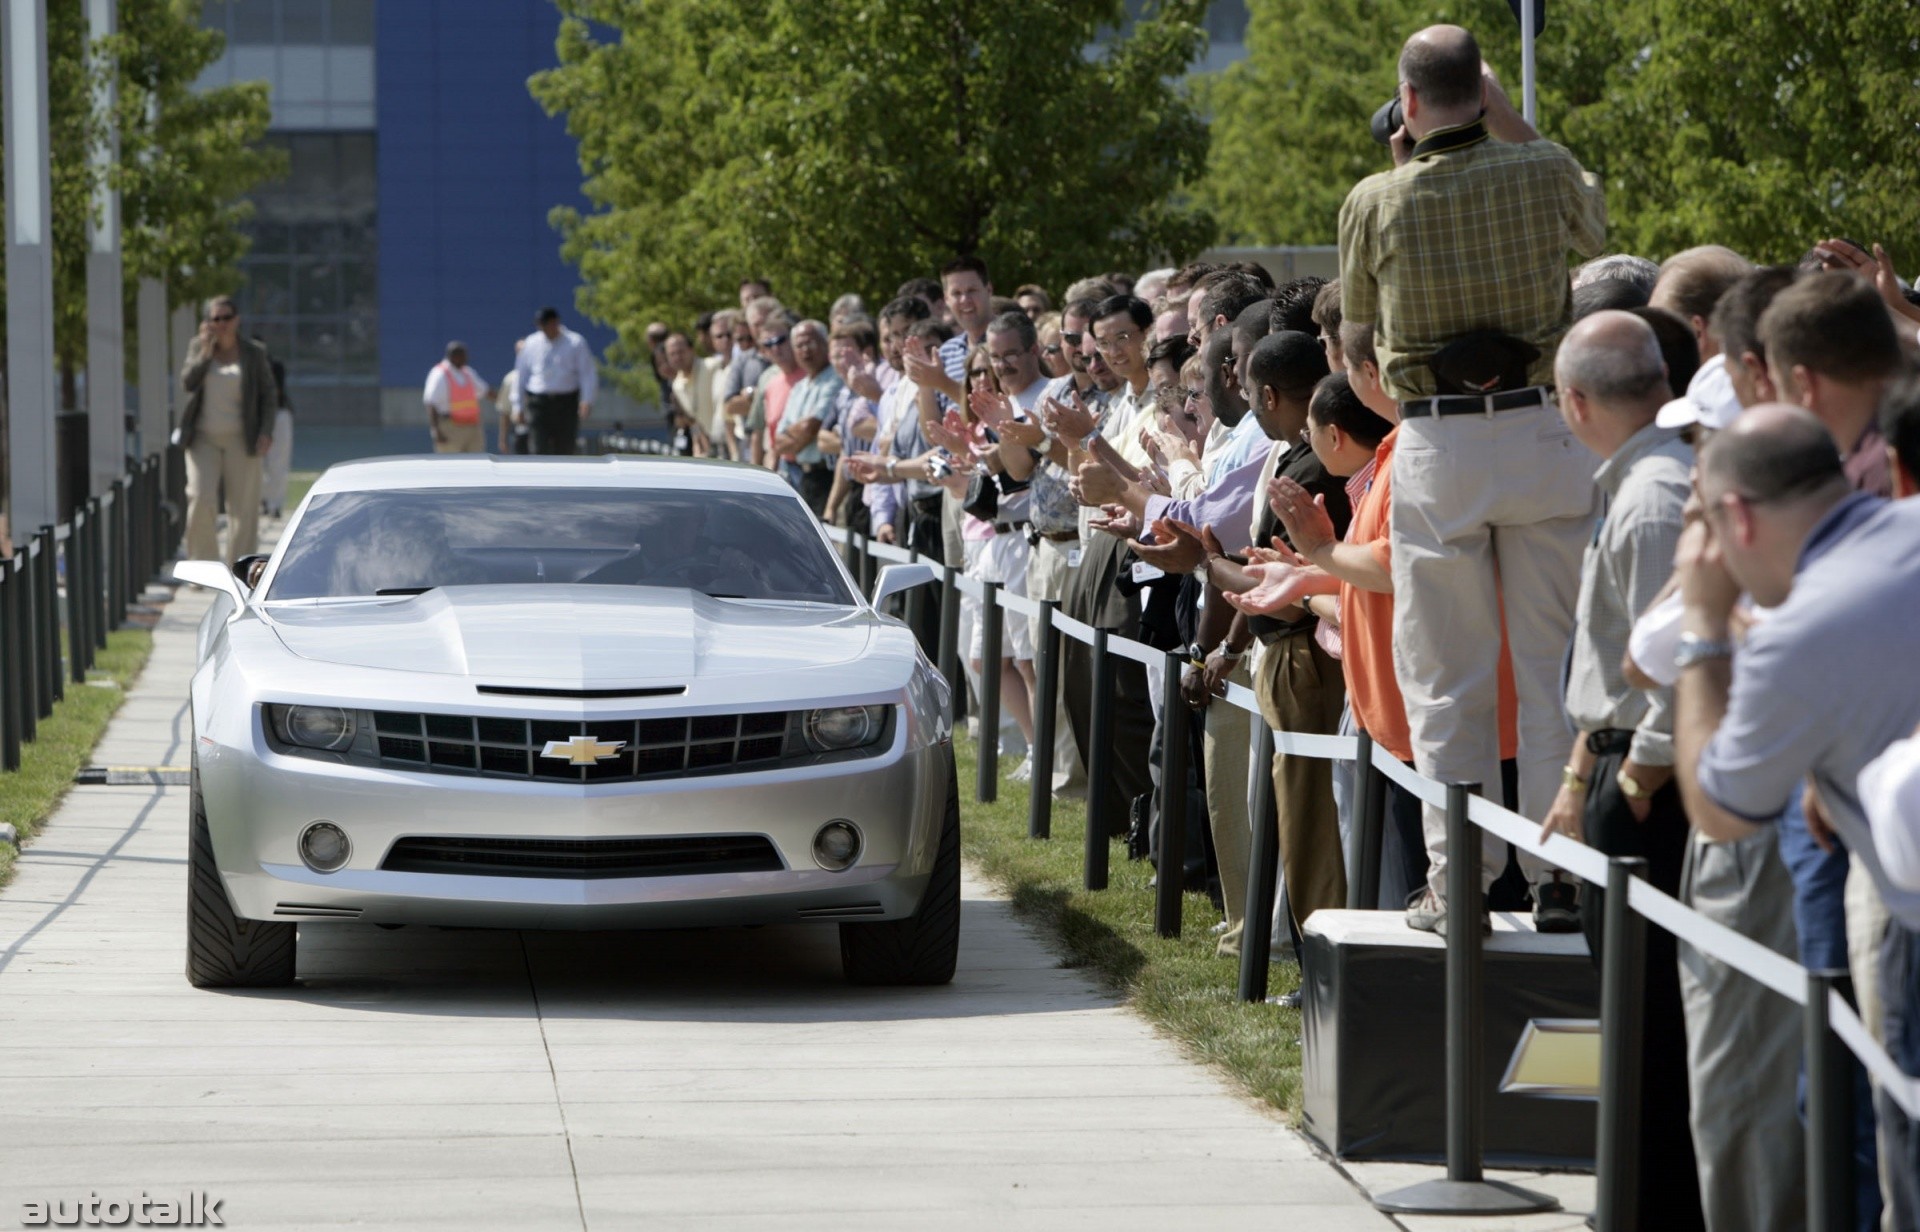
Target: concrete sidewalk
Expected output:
[479,1079]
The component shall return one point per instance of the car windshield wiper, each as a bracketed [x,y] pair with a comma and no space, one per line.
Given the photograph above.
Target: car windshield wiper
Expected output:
[404,590]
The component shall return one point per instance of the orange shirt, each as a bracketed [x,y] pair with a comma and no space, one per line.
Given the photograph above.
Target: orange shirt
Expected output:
[1366,631]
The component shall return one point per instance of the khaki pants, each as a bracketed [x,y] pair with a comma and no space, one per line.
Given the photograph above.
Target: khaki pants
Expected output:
[460,438]
[1743,1042]
[1227,758]
[1486,509]
[1300,689]
[1047,572]
[216,462]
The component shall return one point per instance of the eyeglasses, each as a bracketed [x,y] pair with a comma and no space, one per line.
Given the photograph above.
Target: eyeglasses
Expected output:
[1192,395]
[768,344]
[1114,342]
[223,318]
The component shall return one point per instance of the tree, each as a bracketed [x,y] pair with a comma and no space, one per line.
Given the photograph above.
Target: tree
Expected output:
[852,146]
[1761,124]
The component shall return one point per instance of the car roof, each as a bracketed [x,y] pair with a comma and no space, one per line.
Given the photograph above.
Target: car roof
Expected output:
[486,470]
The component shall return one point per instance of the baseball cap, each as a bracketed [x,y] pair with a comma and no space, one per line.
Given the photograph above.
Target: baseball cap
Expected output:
[1710,400]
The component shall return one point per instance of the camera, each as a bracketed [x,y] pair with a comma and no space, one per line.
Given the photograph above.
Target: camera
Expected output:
[1388,120]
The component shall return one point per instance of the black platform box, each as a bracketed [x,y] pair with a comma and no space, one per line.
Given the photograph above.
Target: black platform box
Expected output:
[1374,1064]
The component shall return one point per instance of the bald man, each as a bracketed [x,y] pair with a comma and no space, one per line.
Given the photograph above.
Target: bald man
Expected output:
[1617,793]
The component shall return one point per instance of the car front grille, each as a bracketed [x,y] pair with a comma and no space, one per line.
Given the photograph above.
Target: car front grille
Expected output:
[584,857]
[647,748]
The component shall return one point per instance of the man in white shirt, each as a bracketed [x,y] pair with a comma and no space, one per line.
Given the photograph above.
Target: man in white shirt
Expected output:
[452,399]
[557,384]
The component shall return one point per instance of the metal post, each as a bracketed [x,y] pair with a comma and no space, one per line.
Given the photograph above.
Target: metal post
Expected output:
[1369,819]
[150,322]
[1527,33]
[13,610]
[26,614]
[1046,695]
[9,673]
[1263,868]
[1099,738]
[32,460]
[987,781]
[117,557]
[50,617]
[77,641]
[1170,854]
[106,323]
[948,647]
[1829,1127]
[917,605]
[1623,980]
[1465,1191]
[97,570]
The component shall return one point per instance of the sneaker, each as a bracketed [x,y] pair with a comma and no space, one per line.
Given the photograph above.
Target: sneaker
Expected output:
[1427,913]
[1219,928]
[1286,1000]
[1021,773]
[1556,906]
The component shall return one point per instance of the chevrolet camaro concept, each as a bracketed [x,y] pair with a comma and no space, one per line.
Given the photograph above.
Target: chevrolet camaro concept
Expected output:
[569,693]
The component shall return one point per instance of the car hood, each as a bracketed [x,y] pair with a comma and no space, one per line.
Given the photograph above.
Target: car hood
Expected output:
[571,636]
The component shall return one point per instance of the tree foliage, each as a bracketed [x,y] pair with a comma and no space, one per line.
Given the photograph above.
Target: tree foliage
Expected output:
[850,146]
[186,161]
[1761,124]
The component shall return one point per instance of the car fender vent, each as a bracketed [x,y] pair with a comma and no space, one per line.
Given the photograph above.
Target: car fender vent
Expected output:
[850,910]
[514,690]
[584,858]
[317,911]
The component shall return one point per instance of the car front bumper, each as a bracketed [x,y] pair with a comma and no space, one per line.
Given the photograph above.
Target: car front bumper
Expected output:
[258,802]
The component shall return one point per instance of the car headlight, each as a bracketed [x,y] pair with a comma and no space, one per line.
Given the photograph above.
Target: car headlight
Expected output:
[843,727]
[313,727]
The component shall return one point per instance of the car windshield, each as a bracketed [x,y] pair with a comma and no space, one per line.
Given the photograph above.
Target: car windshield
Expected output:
[737,545]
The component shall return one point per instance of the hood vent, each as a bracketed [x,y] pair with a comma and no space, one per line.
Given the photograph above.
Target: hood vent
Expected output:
[514,690]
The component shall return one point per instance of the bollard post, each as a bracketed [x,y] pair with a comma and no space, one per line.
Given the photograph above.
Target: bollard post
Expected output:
[1465,1191]
[1046,694]
[50,673]
[986,787]
[915,610]
[1829,1124]
[97,567]
[76,608]
[10,701]
[948,646]
[26,614]
[1099,738]
[1623,975]
[117,558]
[1263,868]
[1369,819]
[1170,853]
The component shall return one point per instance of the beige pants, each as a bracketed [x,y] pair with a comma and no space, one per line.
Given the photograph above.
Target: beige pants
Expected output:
[1300,689]
[1047,579]
[213,463]
[1228,744]
[460,438]
[1487,508]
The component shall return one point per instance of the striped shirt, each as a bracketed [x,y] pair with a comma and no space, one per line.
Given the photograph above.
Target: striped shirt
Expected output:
[1474,237]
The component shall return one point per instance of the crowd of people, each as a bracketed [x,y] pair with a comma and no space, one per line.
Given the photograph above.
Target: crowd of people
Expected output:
[1622,543]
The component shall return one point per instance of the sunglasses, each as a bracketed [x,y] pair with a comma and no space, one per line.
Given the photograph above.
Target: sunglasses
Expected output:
[767,344]
[1071,339]
[223,318]
[1051,350]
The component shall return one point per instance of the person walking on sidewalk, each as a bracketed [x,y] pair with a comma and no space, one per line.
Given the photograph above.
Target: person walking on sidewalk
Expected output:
[226,430]
[453,397]
[557,383]
[279,460]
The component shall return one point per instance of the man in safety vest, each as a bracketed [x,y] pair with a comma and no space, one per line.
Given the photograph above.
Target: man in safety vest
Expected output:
[453,404]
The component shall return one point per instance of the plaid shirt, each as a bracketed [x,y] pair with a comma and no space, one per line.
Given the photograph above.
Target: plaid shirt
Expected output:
[1471,238]
[1630,559]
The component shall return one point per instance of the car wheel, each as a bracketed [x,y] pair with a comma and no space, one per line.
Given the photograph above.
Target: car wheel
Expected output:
[922,948]
[223,950]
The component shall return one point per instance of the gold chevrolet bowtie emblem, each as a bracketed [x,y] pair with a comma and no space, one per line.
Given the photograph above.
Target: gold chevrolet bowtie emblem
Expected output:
[582,750]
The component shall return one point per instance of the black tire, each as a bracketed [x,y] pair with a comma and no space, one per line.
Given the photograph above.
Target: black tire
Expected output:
[223,950]
[923,948]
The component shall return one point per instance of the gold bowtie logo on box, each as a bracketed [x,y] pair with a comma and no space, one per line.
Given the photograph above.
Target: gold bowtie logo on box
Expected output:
[582,750]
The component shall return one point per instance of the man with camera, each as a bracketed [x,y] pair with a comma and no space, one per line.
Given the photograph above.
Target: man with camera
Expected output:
[1458,258]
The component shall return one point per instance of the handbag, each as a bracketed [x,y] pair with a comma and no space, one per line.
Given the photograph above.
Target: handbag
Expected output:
[983,496]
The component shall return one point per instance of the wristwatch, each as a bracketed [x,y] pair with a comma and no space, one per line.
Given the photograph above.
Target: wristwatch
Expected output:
[1630,786]
[1571,780]
[1196,654]
[1692,649]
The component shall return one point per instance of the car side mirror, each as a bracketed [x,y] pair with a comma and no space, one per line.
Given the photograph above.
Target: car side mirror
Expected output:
[213,575]
[897,579]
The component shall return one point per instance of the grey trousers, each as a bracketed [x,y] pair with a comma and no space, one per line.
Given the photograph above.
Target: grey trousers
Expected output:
[1743,1042]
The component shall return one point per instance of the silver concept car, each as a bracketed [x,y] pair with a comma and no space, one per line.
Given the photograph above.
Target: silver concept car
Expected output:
[565,693]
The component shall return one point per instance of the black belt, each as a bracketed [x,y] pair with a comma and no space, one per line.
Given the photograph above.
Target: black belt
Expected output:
[1476,404]
[1007,528]
[1056,536]
[1609,740]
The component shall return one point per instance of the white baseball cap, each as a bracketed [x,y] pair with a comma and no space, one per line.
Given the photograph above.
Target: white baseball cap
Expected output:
[1710,400]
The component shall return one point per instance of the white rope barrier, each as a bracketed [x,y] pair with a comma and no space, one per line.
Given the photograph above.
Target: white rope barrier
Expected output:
[1709,937]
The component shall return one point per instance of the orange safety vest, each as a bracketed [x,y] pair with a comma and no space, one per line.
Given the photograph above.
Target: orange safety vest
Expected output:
[463,395]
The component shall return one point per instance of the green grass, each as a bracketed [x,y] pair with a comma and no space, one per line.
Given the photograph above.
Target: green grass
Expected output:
[298,484]
[1179,984]
[64,741]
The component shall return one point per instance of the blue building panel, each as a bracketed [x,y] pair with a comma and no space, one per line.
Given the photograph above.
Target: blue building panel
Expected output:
[469,167]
